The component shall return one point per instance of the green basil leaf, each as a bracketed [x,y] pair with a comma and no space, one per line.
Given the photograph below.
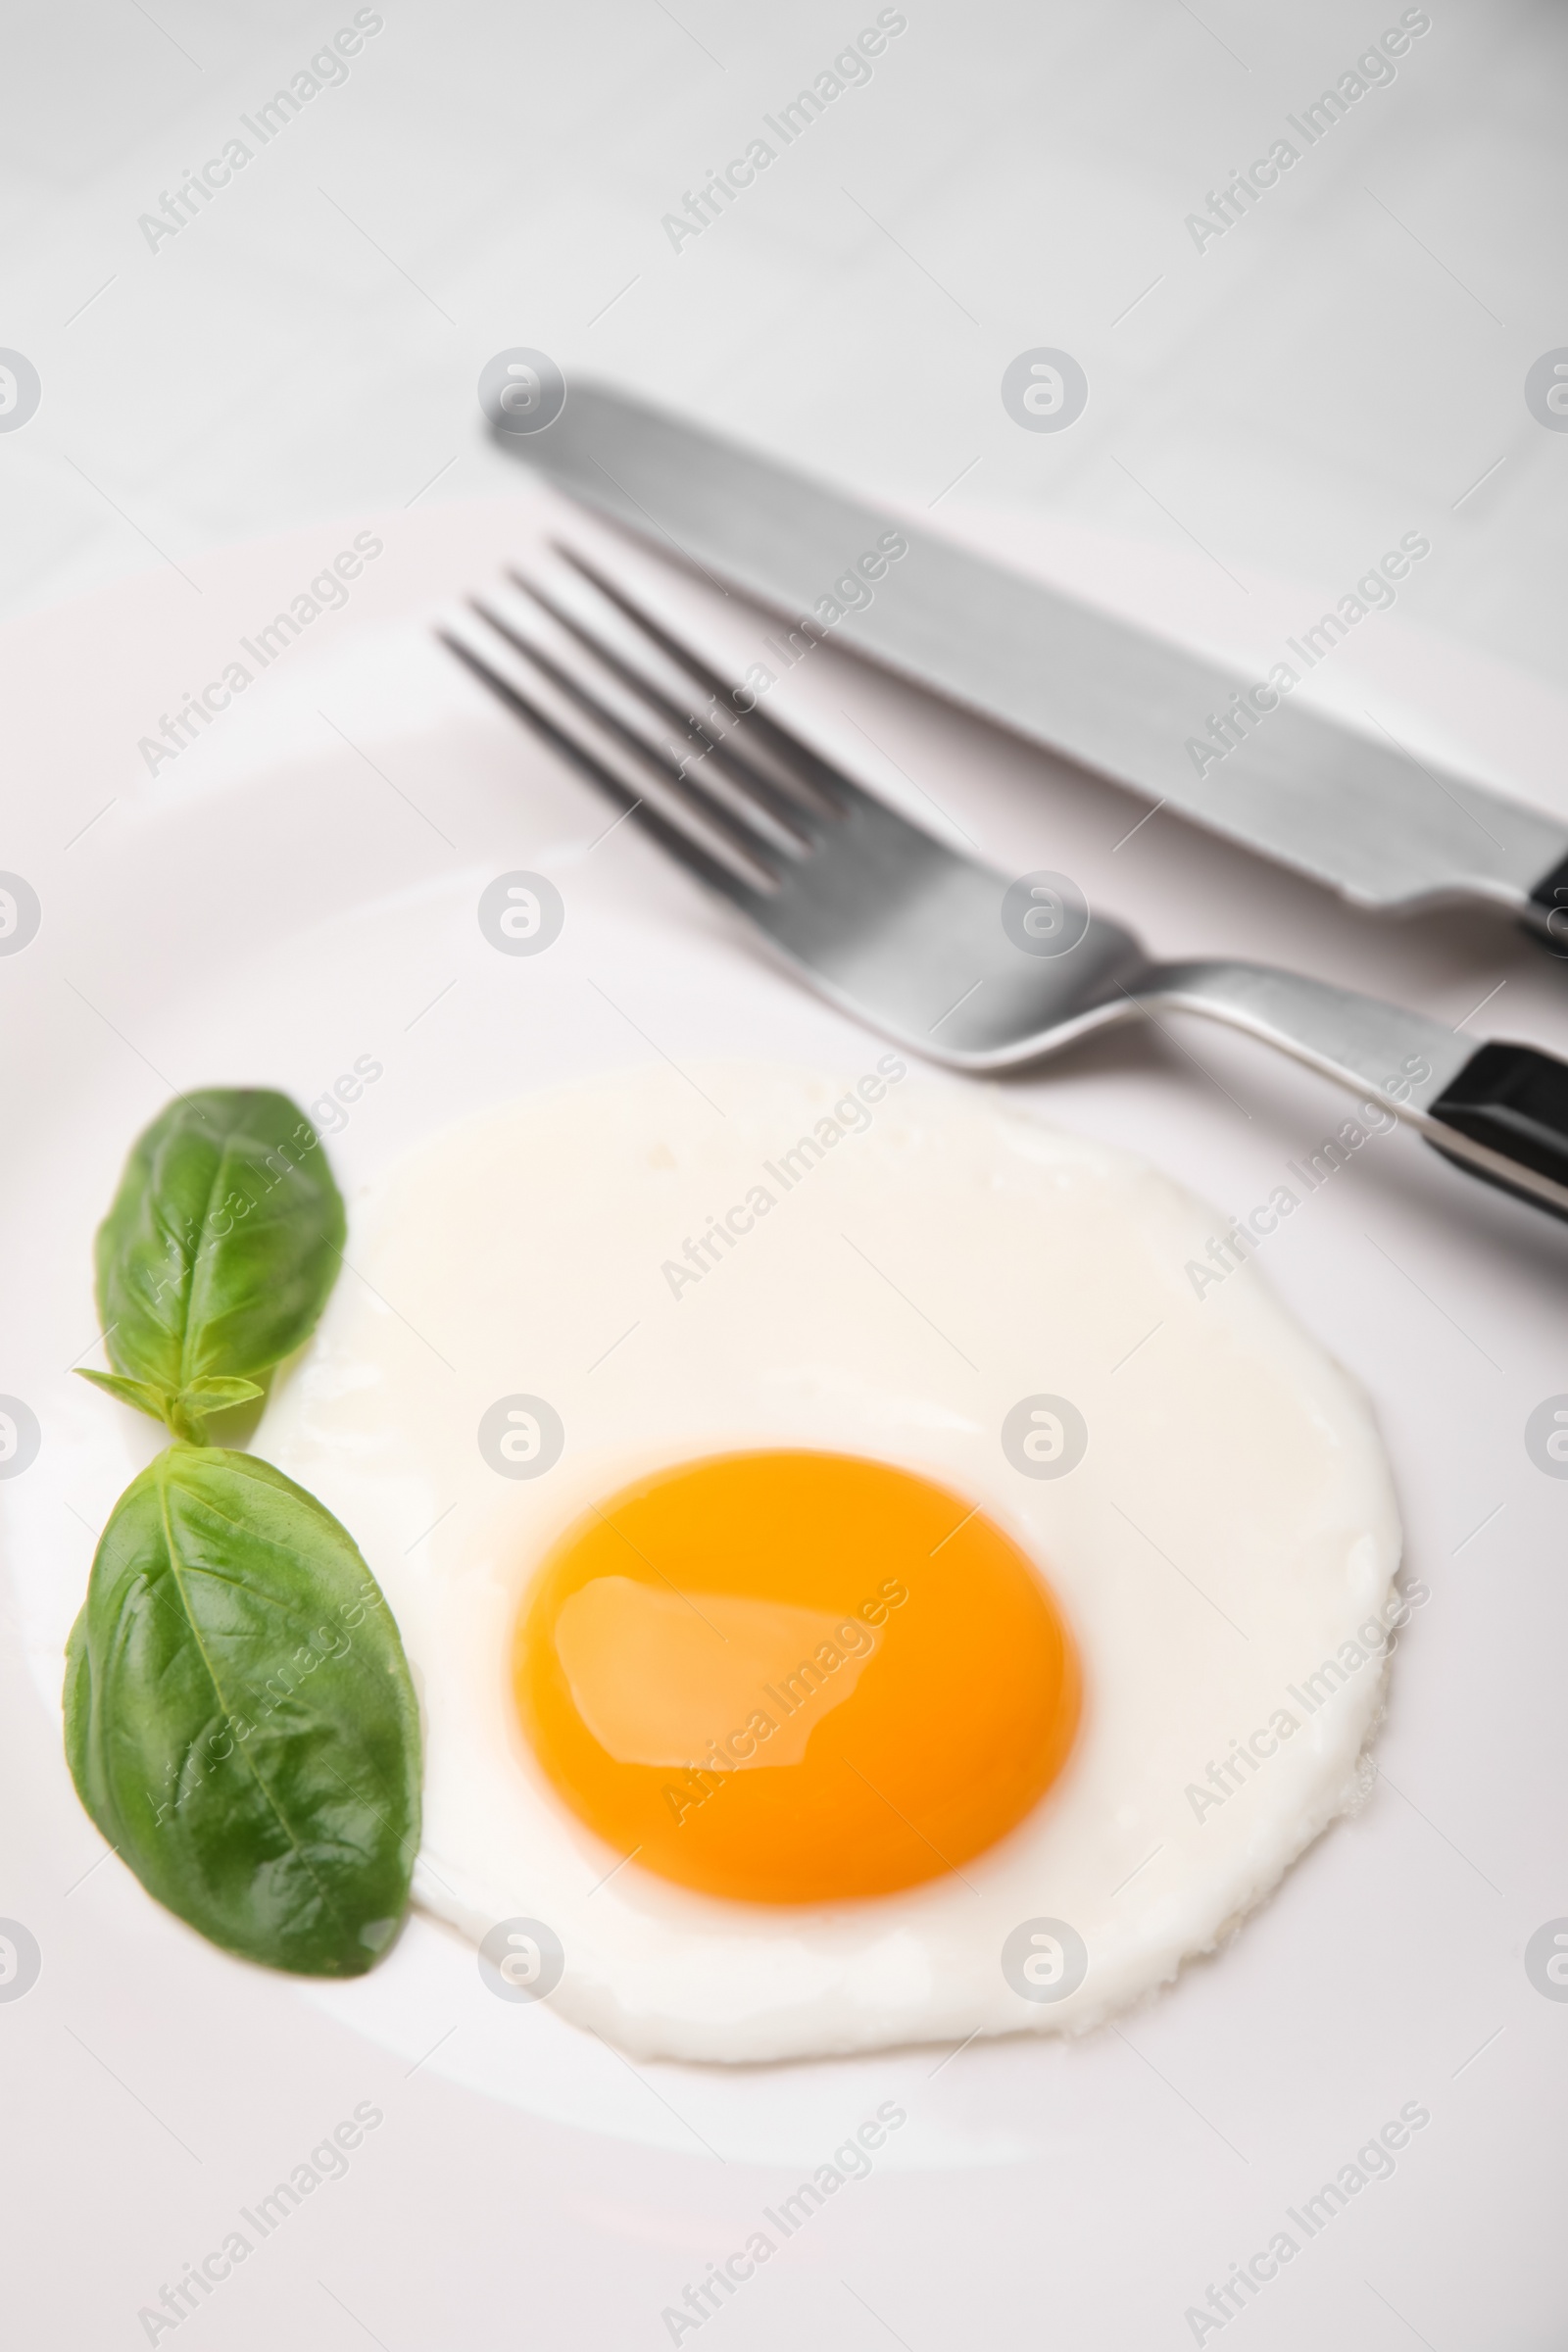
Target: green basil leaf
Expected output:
[186,1414]
[214,1395]
[130,1391]
[222,1245]
[240,1721]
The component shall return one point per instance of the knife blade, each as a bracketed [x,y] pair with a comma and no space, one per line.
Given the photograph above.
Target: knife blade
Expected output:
[1366,818]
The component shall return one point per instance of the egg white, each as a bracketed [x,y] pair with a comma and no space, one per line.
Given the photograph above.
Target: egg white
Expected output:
[1230,1528]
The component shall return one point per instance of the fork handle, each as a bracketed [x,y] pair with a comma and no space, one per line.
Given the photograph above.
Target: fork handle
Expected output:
[1498,1110]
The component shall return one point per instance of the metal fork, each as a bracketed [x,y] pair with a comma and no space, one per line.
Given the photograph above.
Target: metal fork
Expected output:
[937,951]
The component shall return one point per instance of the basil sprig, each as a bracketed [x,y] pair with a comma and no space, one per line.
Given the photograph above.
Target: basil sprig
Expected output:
[240,1720]
[217,1255]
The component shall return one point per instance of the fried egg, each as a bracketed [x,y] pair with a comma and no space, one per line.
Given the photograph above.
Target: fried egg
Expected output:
[861,1589]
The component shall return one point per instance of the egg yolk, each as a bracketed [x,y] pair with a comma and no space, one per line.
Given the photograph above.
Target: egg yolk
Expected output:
[795,1678]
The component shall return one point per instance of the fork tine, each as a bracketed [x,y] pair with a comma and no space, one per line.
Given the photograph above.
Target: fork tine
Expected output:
[785,810]
[672,839]
[796,757]
[696,799]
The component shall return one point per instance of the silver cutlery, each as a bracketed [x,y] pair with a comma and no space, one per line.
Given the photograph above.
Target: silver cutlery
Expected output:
[937,951]
[1356,811]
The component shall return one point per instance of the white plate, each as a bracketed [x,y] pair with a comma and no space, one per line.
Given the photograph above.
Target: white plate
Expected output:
[298,889]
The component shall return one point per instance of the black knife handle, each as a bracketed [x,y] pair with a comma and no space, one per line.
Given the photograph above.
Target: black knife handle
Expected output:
[1513,1100]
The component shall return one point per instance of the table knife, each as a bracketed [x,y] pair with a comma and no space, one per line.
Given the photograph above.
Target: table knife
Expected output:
[1388,831]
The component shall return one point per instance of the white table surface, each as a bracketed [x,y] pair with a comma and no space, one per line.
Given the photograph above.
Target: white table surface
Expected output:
[1346,364]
